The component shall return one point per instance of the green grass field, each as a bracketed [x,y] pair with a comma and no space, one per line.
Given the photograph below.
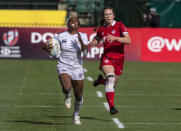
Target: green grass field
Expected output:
[148,98]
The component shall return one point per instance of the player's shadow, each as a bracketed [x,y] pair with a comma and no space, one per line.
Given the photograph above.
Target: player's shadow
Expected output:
[55,123]
[177,108]
[38,122]
[82,117]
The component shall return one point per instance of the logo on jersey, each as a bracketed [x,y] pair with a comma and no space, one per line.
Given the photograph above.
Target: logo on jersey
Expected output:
[80,75]
[11,37]
[106,61]
[63,70]
[64,40]
[102,33]
[113,32]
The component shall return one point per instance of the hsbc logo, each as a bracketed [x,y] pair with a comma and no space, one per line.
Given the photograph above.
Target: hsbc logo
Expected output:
[157,43]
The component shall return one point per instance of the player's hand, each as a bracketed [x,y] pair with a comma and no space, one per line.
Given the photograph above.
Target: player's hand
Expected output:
[111,38]
[93,43]
[47,47]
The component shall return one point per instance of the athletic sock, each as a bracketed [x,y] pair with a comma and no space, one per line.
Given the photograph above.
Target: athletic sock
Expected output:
[110,98]
[77,107]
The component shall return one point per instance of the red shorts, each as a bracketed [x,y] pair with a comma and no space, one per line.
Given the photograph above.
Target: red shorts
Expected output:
[117,63]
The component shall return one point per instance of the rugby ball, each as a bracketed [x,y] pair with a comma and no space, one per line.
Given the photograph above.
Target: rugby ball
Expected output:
[55,50]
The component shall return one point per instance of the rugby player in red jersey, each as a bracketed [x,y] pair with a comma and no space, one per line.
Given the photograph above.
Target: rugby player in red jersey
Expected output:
[114,36]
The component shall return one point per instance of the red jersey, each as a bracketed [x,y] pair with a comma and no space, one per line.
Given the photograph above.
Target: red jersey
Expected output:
[114,49]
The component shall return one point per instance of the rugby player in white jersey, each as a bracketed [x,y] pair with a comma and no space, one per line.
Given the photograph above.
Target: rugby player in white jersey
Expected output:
[70,68]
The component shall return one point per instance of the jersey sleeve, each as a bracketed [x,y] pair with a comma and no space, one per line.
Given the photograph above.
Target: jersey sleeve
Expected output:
[98,35]
[123,28]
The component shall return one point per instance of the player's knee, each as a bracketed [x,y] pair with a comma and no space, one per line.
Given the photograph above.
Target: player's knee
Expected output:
[79,97]
[110,82]
[66,89]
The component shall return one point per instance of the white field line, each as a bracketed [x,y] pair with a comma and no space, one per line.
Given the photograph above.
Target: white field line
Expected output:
[89,78]
[99,94]
[106,106]
[85,70]
[118,123]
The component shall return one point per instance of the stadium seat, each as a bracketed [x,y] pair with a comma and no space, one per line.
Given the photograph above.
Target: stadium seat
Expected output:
[82,6]
[91,6]
[71,2]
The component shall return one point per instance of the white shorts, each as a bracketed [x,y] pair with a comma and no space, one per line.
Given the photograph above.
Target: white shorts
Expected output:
[76,73]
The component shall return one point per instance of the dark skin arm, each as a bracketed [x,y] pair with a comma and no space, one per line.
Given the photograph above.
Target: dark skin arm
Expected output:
[46,47]
[83,47]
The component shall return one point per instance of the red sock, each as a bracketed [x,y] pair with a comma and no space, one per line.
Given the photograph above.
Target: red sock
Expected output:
[102,81]
[110,98]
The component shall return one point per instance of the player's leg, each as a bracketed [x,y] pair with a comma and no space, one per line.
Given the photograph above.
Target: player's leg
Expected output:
[78,84]
[109,72]
[116,80]
[102,80]
[65,81]
[78,93]
[118,67]
[99,80]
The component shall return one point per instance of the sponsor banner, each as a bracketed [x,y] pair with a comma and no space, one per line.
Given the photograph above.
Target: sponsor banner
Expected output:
[27,43]
[148,44]
[133,51]
[161,45]
[24,42]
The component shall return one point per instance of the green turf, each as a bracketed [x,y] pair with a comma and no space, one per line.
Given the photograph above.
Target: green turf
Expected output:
[148,98]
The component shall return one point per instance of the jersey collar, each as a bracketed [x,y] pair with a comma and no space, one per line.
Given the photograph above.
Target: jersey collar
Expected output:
[113,23]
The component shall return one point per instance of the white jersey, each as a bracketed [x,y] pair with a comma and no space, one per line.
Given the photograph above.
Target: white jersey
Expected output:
[71,48]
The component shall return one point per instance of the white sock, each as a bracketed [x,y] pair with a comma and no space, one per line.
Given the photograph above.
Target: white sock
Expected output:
[78,105]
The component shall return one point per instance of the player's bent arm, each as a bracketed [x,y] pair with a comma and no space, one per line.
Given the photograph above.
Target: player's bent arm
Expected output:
[84,47]
[124,39]
[95,41]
